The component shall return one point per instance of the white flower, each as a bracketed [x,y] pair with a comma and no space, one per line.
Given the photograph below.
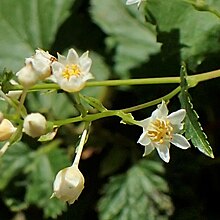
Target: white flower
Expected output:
[37,67]
[41,63]
[161,129]
[130,2]
[7,129]
[72,72]
[35,125]
[68,184]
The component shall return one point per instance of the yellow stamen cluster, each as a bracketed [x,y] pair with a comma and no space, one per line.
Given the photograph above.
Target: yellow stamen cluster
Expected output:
[71,70]
[160,130]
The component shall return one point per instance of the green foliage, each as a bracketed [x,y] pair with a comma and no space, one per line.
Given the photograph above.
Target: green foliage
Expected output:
[133,40]
[13,163]
[193,129]
[141,193]
[42,172]
[26,25]
[180,26]
[40,168]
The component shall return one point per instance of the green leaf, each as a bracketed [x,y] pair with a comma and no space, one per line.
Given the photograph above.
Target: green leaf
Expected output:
[194,33]
[52,104]
[193,129]
[141,193]
[27,25]
[133,40]
[12,164]
[42,173]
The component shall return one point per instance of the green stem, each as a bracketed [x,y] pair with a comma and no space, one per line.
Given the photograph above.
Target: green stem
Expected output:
[119,113]
[154,102]
[77,103]
[81,145]
[193,80]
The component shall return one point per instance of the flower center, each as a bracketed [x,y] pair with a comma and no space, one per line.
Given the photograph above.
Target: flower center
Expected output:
[160,130]
[71,70]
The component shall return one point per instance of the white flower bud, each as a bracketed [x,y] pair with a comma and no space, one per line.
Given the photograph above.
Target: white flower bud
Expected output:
[35,125]
[6,129]
[27,77]
[68,184]
[37,67]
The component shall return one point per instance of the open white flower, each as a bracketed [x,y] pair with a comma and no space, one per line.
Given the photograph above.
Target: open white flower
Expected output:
[130,2]
[72,72]
[161,129]
[68,184]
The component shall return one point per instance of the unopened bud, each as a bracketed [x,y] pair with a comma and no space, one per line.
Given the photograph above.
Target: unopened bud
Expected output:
[27,77]
[35,125]
[6,129]
[68,184]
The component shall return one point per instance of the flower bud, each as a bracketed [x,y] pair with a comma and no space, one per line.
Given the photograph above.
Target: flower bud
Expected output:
[35,125]
[27,77]
[6,129]
[68,184]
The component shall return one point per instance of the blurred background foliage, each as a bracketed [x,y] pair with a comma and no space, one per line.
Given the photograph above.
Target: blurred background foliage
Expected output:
[124,42]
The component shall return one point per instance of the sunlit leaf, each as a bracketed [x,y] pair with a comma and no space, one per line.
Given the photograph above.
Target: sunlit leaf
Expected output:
[141,193]
[27,25]
[195,33]
[134,41]
[193,129]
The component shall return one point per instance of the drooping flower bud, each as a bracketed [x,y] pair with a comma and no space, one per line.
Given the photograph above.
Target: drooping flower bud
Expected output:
[68,184]
[35,125]
[7,129]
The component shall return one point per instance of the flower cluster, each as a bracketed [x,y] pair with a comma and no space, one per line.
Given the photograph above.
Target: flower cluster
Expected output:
[70,73]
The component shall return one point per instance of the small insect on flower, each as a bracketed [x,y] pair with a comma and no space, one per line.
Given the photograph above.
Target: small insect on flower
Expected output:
[72,72]
[161,129]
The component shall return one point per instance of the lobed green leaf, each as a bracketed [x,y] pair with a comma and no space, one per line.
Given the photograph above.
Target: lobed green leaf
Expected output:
[27,25]
[133,40]
[141,193]
[194,34]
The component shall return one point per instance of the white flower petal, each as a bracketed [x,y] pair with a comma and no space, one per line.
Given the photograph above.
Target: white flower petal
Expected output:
[144,139]
[144,123]
[130,2]
[72,57]
[61,59]
[160,112]
[148,149]
[164,151]
[85,64]
[180,141]
[177,117]
[163,111]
